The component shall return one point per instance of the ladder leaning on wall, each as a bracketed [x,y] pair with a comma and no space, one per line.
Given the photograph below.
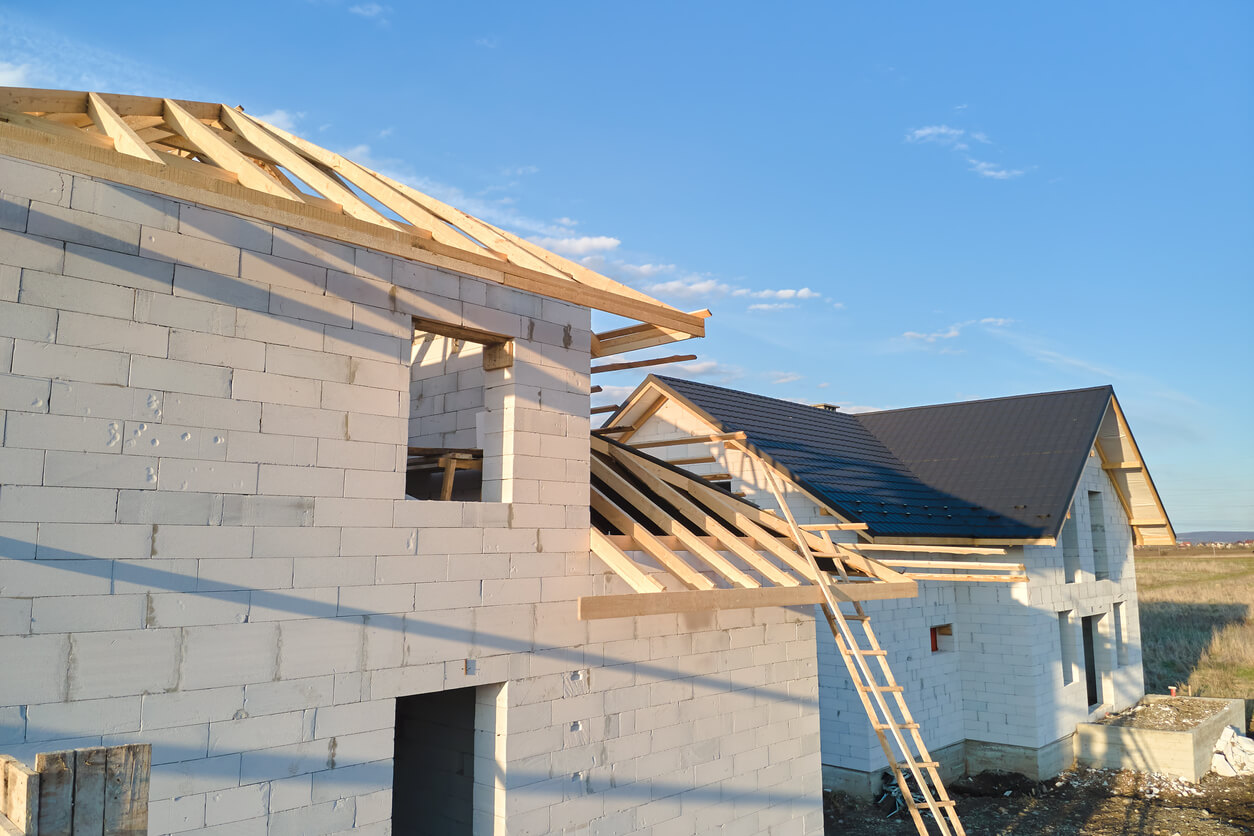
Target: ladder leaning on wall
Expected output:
[904,732]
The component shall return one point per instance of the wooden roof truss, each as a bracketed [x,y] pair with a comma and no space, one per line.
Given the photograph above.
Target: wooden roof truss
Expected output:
[683,545]
[226,158]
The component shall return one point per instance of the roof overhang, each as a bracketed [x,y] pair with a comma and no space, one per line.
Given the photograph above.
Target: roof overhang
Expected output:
[224,158]
[1123,463]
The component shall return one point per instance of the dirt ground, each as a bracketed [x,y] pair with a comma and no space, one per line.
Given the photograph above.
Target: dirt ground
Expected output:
[1171,714]
[1084,802]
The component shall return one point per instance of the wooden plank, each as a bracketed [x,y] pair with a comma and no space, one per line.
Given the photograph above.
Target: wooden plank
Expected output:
[693,460]
[89,791]
[698,439]
[716,477]
[223,153]
[663,521]
[922,548]
[727,540]
[126,790]
[56,129]
[287,157]
[458,332]
[951,564]
[124,137]
[19,795]
[968,578]
[834,527]
[649,543]
[622,565]
[600,410]
[643,417]
[637,364]
[623,606]
[56,793]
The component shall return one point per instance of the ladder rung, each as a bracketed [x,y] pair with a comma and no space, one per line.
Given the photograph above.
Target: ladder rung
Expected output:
[873,652]
[887,689]
[883,726]
[854,617]
[919,764]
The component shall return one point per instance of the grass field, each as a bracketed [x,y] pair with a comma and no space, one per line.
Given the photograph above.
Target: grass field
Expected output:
[1197,621]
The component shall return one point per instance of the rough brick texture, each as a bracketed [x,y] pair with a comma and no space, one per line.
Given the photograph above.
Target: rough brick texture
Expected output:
[205,545]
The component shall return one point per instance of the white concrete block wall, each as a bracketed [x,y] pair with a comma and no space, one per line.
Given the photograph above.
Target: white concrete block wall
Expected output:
[204,543]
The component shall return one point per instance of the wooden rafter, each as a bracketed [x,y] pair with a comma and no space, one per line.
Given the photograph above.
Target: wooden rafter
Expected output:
[225,159]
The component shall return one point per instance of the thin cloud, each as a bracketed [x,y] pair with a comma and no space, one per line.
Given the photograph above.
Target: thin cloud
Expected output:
[993,170]
[955,330]
[772,306]
[284,119]
[782,293]
[14,75]
[566,222]
[579,247]
[522,171]
[942,134]
[644,271]
[689,287]
[707,370]
[778,378]
[372,11]
[487,43]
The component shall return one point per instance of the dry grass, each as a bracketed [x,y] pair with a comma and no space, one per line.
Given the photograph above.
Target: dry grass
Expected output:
[1197,622]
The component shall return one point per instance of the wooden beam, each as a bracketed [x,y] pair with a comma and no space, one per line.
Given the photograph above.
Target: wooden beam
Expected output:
[124,137]
[968,578]
[643,417]
[704,521]
[622,565]
[56,791]
[625,606]
[636,337]
[666,558]
[667,523]
[223,153]
[1122,465]
[953,564]
[715,477]
[834,527]
[693,460]
[126,789]
[598,410]
[637,364]
[56,129]
[287,157]
[884,547]
[19,795]
[699,439]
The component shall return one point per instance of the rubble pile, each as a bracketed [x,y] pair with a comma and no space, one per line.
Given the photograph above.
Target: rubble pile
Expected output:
[1234,754]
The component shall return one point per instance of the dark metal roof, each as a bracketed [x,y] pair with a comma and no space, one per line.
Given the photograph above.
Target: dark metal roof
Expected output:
[1003,468]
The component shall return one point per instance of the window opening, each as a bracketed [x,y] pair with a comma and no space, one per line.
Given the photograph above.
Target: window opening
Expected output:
[1088,625]
[1066,642]
[1121,646]
[1070,550]
[449,373]
[942,638]
[1097,525]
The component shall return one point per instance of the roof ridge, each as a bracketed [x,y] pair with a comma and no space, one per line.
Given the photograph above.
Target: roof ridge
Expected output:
[1025,396]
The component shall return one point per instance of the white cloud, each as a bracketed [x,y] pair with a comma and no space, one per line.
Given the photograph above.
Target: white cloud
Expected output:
[956,330]
[784,377]
[708,370]
[386,132]
[689,287]
[838,305]
[993,170]
[521,171]
[772,306]
[370,10]
[644,271]
[566,222]
[579,247]
[943,134]
[980,136]
[488,43]
[782,293]
[282,119]
[613,394]
[14,75]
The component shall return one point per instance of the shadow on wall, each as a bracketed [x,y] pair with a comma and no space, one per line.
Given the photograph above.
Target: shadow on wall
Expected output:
[1174,636]
[263,765]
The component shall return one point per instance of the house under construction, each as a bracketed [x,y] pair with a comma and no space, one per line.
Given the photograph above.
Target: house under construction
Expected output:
[303,528]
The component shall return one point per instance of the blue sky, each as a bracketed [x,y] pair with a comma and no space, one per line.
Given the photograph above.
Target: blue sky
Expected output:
[884,204]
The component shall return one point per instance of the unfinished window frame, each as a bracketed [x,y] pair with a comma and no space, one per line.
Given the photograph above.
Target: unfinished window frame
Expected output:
[497,355]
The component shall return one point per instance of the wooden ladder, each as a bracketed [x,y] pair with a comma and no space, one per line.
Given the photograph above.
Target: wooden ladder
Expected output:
[891,721]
